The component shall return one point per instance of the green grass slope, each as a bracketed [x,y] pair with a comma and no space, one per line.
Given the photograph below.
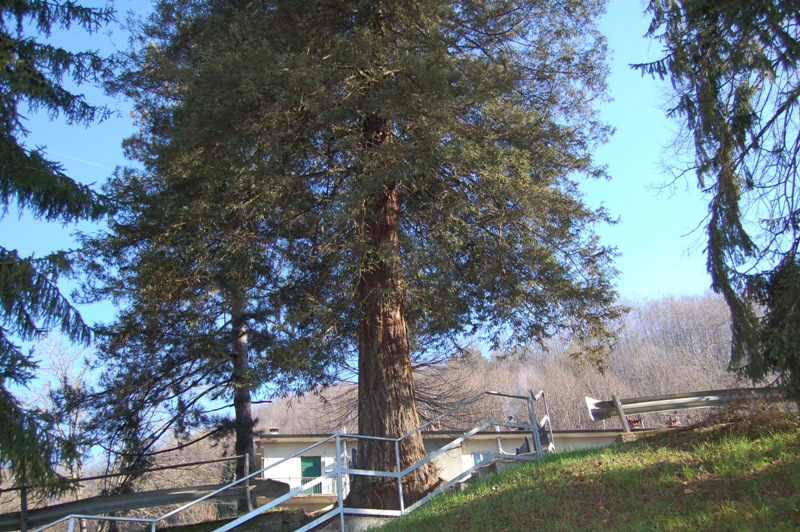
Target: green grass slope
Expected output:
[733,476]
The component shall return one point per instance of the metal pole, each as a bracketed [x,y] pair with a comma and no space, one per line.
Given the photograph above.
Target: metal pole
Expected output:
[621,412]
[339,490]
[399,478]
[247,487]
[549,424]
[537,442]
[23,500]
[71,525]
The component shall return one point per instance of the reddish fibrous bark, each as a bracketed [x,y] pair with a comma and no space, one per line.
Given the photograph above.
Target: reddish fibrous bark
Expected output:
[387,407]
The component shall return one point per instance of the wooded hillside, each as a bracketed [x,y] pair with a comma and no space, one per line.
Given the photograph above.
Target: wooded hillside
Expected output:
[666,345]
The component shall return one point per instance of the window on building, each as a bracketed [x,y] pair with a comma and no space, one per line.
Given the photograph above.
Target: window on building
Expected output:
[480,457]
[311,468]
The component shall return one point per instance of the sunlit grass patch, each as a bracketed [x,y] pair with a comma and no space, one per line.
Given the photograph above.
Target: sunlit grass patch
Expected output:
[709,481]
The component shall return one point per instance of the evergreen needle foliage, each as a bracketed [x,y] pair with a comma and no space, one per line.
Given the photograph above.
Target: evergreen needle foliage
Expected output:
[734,69]
[31,74]
[353,180]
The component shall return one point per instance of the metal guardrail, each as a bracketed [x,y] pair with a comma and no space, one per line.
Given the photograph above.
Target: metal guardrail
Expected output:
[109,505]
[600,410]
[341,469]
[70,519]
[7,520]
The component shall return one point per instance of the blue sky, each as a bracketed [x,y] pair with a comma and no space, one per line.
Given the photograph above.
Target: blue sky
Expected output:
[661,250]
[660,234]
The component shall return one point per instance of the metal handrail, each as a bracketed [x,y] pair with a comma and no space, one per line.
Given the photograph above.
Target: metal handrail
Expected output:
[155,520]
[464,475]
[71,518]
[460,406]
[339,470]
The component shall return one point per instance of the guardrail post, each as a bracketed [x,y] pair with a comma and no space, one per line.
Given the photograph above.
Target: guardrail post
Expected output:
[339,489]
[621,412]
[247,486]
[71,524]
[537,442]
[552,444]
[399,477]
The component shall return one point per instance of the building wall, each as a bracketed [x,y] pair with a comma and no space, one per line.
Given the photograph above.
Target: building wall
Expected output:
[566,441]
[449,464]
[275,451]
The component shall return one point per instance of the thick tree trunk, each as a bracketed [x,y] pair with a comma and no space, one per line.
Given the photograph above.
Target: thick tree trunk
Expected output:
[386,404]
[241,393]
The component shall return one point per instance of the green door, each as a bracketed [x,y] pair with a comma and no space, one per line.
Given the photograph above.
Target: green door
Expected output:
[311,468]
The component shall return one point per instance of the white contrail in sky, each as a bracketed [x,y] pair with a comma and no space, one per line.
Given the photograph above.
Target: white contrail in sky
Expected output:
[81,160]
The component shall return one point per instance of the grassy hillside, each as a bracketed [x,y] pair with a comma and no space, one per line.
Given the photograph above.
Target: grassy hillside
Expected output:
[743,475]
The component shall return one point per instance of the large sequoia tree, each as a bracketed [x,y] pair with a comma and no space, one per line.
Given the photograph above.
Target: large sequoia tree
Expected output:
[412,169]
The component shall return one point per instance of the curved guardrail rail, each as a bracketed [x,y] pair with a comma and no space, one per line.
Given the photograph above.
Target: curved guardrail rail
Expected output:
[600,410]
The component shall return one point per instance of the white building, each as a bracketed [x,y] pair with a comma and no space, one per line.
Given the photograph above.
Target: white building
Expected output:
[316,460]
